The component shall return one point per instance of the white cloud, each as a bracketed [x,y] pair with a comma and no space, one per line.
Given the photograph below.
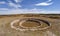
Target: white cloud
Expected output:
[3,9]
[44,4]
[49,0]
[14,5]
[20,11]
[2,2]
[18,1]
[27,11]
[47,3]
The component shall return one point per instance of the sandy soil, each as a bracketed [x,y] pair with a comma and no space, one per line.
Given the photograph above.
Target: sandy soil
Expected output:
[6,30]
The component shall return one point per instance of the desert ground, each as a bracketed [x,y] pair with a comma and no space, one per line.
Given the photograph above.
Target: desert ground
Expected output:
[53,30]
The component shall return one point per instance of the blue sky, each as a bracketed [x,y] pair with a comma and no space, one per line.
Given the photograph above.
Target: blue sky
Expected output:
[29,6]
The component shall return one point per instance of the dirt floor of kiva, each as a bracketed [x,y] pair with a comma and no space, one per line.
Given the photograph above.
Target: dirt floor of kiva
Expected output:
[28,28]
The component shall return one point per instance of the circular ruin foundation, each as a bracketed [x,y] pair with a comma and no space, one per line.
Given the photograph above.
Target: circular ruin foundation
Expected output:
[32,24]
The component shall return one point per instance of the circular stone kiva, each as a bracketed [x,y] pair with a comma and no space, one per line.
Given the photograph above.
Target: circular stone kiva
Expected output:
[32,24]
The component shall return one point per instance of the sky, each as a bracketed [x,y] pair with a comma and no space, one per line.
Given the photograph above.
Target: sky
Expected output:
[29,6]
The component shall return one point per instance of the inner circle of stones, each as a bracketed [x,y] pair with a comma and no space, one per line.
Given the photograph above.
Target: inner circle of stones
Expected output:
[20,24]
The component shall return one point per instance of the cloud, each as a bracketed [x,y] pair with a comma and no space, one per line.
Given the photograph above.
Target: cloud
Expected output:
[27,11]
[14,5]
[18,1]
[2,2]
[11,4]
[4,9]
[47,3]
[49,0]
[44,4]
[20,11]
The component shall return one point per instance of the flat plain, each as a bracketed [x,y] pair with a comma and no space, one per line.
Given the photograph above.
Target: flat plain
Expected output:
[53,30]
